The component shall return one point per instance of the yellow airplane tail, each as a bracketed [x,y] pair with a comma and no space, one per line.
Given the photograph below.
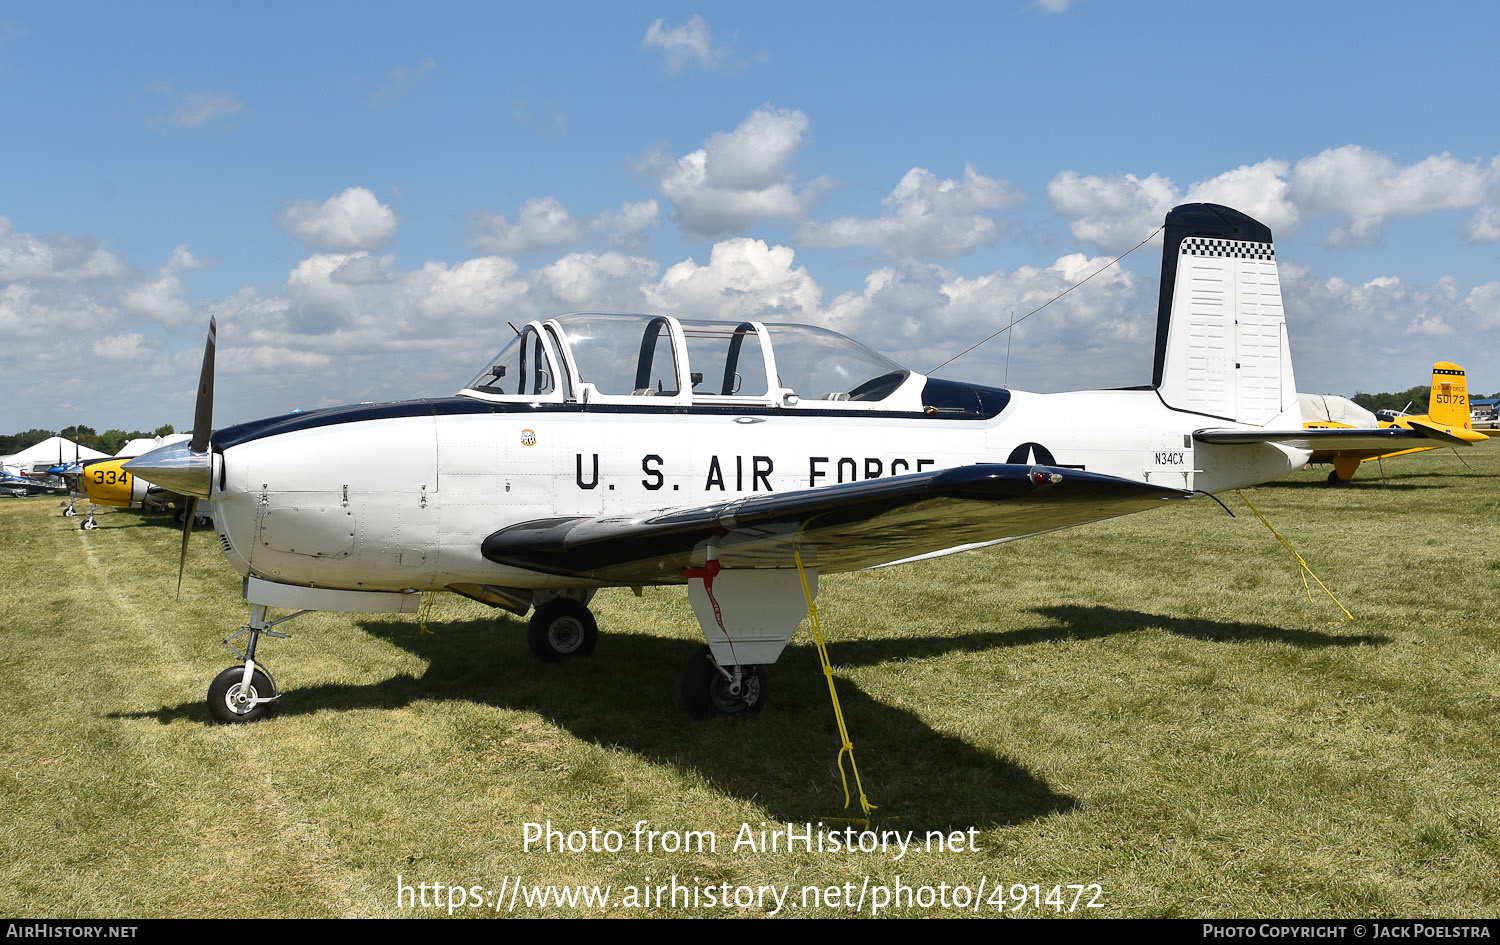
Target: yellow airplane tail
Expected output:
[1449,404]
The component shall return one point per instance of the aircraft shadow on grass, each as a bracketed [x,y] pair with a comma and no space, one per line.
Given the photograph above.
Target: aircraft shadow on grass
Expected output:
[1389,483]
[1073,622]
[784,760]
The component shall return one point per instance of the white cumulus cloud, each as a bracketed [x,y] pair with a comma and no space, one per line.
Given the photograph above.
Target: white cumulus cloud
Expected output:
[741,177]
[629,225]
[1368,188]
[1115,212]
[348,221]
[744,278]
[543,223]
[925,314]
[125,347]
[1119,211]
[24,257]
[926,217]
[1260,190]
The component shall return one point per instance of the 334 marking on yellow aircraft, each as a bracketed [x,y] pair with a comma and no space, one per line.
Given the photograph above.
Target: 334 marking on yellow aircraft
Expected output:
[111,477]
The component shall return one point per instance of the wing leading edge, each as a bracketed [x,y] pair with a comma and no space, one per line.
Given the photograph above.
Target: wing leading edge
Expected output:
[840,527]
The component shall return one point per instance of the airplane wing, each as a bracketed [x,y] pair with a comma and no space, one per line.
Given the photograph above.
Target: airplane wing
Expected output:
[1383,440]
[840,527]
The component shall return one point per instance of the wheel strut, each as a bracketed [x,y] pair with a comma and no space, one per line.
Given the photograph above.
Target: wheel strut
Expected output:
[243,693]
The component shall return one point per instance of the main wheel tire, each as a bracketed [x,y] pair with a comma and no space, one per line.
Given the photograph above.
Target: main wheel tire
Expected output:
[561,628]
[68,512]
[1335,480]
[224,691]
[89,525]
[705,691]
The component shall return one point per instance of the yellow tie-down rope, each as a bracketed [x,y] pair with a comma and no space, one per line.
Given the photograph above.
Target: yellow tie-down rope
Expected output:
[426,610]
[838,713]
[1306,571]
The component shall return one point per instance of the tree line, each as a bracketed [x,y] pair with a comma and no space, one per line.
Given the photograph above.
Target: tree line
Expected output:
[109,441]
[1416,397]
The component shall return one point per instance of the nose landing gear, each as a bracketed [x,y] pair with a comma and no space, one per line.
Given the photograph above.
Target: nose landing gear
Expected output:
[247,692]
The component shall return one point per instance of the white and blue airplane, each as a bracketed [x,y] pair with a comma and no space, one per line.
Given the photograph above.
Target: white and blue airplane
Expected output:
[630,450]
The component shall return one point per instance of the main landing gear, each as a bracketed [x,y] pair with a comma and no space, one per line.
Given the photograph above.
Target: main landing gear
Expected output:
[563,627]
[709,689]
[1335,480]
[247,692]
[560,628]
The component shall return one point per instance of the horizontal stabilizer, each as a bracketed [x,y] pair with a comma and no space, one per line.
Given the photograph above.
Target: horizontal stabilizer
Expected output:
[1437,429]
[841,527]
[1337,438]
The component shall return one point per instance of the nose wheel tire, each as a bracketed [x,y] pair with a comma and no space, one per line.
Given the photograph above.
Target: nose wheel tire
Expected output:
[561,628]
[706,693]
[230,703]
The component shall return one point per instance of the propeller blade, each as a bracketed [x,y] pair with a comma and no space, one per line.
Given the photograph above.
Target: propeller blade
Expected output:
[203,413]
[203,420]
[187,530]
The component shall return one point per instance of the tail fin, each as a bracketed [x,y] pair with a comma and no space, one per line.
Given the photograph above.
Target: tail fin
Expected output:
[1221,345]
[1449,403]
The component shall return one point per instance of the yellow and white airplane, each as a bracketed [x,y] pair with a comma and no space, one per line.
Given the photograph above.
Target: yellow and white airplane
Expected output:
[106,482]
[741,459]
[1447,412]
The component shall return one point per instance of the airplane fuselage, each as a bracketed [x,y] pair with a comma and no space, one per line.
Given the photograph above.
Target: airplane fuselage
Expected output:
[398,497]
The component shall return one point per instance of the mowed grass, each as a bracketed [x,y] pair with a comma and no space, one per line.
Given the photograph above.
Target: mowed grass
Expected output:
[1151,704]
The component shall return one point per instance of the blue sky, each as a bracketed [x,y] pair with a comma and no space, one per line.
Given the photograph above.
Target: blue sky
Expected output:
[365,193]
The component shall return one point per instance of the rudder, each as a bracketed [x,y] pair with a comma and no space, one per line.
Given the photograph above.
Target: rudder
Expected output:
[1221,345]
[1448,404]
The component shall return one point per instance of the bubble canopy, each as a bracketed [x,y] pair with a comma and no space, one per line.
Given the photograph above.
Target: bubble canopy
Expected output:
[661,360]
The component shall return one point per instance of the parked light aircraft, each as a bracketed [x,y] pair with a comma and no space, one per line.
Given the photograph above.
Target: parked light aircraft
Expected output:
[106,482]
[627,450]
[69,473]
[18,484]
[1447,410]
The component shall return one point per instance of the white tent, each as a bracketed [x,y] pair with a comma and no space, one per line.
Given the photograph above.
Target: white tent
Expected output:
[44,455]
[146,444]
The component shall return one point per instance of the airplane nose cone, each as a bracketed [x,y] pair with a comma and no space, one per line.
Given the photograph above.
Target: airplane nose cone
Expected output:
[176,468]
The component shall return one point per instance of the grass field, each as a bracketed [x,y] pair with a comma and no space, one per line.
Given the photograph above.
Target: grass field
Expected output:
[1150,704]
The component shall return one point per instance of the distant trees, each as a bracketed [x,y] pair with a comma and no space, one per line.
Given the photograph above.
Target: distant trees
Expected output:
[82,435]
[1415,396]
[16,442]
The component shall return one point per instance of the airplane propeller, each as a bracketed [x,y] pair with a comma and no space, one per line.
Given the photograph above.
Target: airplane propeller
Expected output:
[187,468]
